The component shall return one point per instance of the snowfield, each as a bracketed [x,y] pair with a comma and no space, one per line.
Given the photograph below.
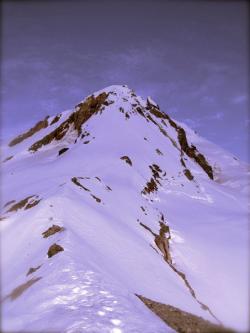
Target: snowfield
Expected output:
[122,182]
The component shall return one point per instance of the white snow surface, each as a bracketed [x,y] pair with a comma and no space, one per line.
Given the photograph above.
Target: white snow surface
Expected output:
[108,256]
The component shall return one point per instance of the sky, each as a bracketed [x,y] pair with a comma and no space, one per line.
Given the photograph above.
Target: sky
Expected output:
[191,57]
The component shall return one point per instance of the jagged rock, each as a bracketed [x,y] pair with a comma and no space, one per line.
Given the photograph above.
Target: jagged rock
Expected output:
[151,186]
[55,120]
[156,170]
[40,125]
[83,112]
[182,321]
[52,230]
[33,203]
[157,113]
[162,241]
[192,152]
[22,203]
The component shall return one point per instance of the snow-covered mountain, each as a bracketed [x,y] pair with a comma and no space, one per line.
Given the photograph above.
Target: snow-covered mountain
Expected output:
[112,208]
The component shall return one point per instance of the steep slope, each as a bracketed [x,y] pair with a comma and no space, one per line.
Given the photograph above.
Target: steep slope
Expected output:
[115,199]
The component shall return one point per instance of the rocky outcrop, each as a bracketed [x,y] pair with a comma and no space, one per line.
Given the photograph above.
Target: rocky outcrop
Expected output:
[32,203]
[52,230]
[152,184]
[162,238]
[162,241]
[83,111]
[193,153]
[54,249]
[40,125]
[55,120]
[26,203]
[182,321]
[190,151]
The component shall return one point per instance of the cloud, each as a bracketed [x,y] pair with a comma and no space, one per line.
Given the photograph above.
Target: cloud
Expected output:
[208,100]
[192,123]
[239,99]
[217,116]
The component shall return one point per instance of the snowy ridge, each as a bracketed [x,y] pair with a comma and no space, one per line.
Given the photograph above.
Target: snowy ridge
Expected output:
[138,214]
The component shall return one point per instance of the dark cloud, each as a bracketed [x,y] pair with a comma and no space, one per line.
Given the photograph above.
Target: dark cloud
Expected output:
[190,56]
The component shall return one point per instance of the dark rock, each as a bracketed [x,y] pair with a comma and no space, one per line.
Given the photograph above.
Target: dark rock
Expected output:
[193,153]
[54,249]
[96,198]
[151,186]
[52,230]
[127,160]
[76,182]
[182,321]
[19,205]
[84,111]
[32,204]
[55,120]
[40,125]
[188,174]
[62,151]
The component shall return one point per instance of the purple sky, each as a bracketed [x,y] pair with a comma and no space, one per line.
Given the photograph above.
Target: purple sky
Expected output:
[190,56]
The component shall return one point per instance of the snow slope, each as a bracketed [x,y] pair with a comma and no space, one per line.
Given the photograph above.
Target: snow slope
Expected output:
[99,192]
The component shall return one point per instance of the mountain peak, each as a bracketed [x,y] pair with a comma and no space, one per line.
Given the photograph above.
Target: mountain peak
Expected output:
[112,101]
[116,88]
